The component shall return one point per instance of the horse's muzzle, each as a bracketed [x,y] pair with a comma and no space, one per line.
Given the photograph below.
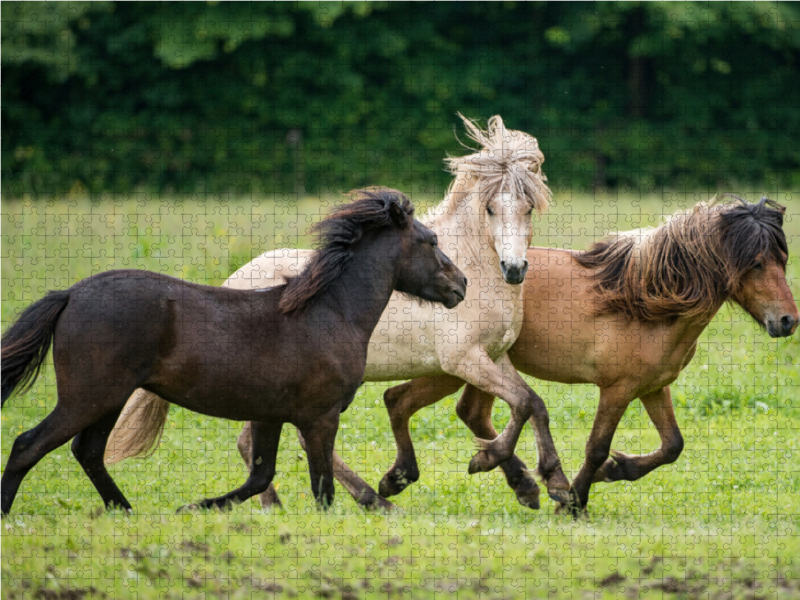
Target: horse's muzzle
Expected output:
[458,294]
[782,328]
[514,274]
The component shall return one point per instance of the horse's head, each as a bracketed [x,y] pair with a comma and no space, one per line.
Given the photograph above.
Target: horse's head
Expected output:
[421,268]
[765,294]
[426,272]
[508,221]
[505,182]
[756,248]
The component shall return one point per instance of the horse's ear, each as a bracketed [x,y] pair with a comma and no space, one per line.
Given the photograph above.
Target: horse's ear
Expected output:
[399,214]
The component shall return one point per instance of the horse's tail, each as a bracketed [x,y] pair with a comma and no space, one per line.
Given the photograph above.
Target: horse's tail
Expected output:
[26,343]
[139,428]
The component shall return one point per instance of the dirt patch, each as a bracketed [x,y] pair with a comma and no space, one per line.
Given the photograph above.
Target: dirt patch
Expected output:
[612,579]
[68,594]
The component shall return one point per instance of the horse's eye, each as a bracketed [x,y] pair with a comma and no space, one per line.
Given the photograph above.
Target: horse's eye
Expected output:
[758,266]
[529,213]
[490,210]
[434,242]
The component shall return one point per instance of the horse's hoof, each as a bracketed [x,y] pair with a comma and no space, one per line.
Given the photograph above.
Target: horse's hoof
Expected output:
[560,495]
[572,506]
[480,463]
[485,461]
[377,503]
[528,494]
[395,481]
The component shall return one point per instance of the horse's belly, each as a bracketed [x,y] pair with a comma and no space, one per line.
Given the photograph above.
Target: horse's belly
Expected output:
[411,353]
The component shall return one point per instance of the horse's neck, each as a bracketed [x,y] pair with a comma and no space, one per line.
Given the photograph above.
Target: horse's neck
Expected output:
[360,294]
[688,330]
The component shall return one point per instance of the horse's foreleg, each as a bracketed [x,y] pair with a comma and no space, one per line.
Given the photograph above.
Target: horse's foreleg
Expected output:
[503,381]
[269,498]
[402,402]
[475,410]
[264,454]
[89,447]
[359,489]
[613,403]
[319,440]
[626,467]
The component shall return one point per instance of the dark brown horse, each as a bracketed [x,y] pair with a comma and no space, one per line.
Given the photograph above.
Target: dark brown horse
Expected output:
[295,353]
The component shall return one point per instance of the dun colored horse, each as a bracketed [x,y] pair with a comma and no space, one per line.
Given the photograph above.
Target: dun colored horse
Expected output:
[625,316]
[290,354]
[484,224]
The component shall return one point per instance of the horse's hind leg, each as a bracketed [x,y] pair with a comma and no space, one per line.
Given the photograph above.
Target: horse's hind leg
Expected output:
[244,444]
[89,448]
[402,402]
[626,467]
[266,437]
[475,410]
[33,445]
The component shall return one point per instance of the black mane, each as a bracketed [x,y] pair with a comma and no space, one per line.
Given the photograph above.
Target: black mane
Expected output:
[335,237]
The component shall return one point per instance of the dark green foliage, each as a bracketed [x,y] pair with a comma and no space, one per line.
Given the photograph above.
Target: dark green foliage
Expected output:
[294,97]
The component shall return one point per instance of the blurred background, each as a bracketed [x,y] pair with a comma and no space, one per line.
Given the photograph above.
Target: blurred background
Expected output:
[307,98]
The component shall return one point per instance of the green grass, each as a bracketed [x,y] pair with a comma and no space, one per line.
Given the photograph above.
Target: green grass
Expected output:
[722,522]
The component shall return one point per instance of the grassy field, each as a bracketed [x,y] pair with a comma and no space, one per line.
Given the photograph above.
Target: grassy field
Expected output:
[722,522]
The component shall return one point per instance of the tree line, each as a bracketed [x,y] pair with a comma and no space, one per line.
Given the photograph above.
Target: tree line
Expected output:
[286,97]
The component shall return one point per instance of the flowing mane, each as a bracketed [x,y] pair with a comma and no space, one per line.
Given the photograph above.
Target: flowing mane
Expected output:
[689,264]
[335,237]
[507,161]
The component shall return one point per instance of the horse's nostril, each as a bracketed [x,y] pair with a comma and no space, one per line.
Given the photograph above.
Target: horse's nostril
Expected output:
[503,264]
[787,323]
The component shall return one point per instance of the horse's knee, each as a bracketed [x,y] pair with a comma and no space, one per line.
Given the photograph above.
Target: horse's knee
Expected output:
[674,448]
[393,395]
[18,450]
[80,449]
[538,410]
[467,411]
[23,441]
[260,478]
[596,456]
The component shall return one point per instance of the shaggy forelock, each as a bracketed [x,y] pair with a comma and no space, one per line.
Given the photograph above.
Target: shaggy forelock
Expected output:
[507,161]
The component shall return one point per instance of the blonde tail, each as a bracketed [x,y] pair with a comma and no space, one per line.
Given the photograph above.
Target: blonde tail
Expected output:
[139,428]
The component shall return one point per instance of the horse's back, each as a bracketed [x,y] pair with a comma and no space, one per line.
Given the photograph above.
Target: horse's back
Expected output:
[148,315]
[270,269]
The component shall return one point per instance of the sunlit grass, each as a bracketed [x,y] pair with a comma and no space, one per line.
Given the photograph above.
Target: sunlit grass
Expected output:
[718,517]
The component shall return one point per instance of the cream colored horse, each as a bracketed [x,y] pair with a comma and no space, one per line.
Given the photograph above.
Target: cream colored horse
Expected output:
[484,226]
